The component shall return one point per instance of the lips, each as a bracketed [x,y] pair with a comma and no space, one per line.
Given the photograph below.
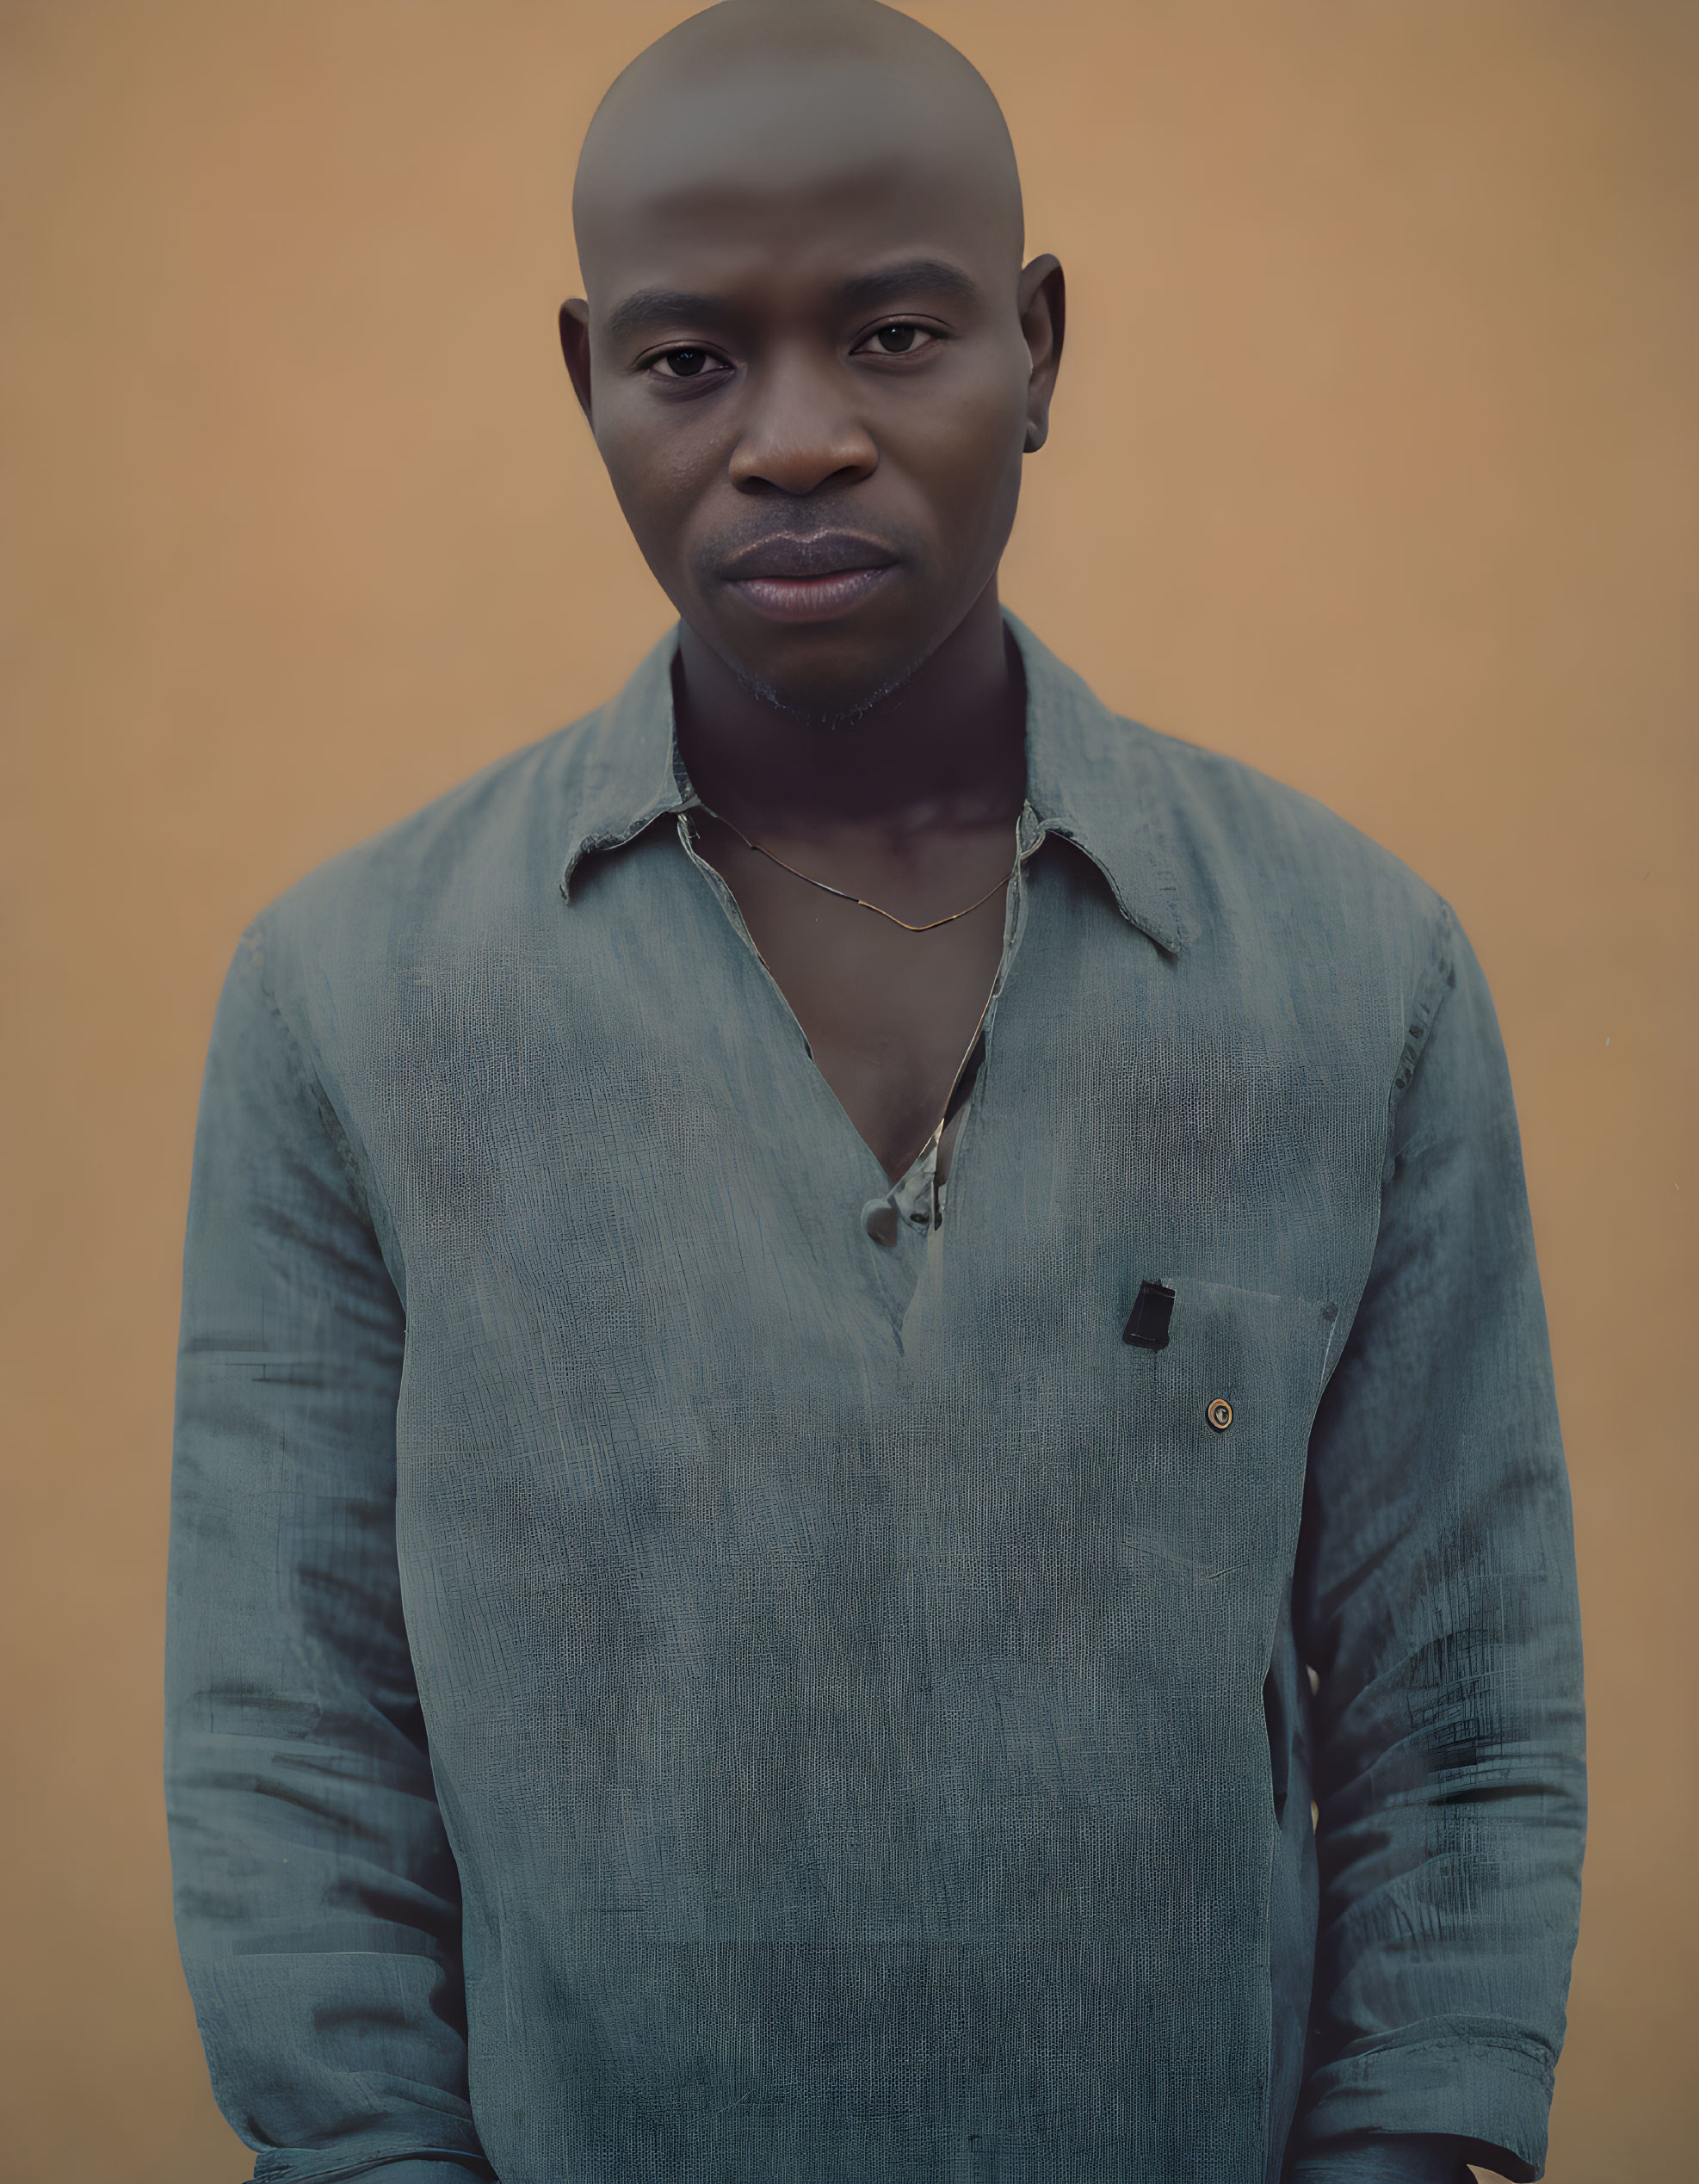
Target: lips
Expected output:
[792,578]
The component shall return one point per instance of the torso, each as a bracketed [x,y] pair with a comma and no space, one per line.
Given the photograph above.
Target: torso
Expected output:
[890,1017]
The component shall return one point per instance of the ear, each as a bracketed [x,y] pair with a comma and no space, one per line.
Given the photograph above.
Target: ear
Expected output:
[575,347]
[1043,300]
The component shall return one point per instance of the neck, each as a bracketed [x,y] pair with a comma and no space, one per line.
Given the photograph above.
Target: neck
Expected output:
[947,749]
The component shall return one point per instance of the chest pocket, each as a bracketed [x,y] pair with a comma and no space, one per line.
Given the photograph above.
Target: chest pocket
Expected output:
[1223,1388]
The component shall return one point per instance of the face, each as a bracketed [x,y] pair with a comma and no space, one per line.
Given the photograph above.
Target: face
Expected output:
[811,374]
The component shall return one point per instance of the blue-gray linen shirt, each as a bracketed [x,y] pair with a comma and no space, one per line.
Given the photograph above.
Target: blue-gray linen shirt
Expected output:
[666,1688]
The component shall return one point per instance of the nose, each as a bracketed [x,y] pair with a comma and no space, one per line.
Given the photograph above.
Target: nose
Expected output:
[801,431]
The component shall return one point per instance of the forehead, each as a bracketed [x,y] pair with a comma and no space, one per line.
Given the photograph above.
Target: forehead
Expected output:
[811,169]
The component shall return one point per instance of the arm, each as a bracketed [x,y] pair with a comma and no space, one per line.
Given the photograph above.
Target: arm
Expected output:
[1436,1601]
[316,1900]
[1369,2158]
[1365,2160]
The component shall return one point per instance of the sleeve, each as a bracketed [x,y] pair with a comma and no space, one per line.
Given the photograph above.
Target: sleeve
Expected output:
[1436,1600]
[318,1905]
[1370,2160]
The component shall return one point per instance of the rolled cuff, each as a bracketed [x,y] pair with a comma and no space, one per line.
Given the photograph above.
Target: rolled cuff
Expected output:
[425,2168]
[375,2167]
[1383,2160]
[1489,2090]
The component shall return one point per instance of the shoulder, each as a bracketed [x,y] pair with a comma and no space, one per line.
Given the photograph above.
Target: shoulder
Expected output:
[1289,896]
[492,853]
[450,880]
[517,805]
[1296,911]
[1207,851]
[1252,842]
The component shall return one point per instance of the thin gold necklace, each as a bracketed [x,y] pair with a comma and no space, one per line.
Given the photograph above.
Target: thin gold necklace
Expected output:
[861,902]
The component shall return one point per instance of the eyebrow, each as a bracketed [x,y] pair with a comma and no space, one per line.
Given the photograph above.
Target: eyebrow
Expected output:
[870,290]
[649,307]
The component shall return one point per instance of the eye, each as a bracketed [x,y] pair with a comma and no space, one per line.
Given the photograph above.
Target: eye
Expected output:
[898,338]
[685,363]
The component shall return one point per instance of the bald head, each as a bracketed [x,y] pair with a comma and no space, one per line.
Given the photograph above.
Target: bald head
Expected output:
[755,98]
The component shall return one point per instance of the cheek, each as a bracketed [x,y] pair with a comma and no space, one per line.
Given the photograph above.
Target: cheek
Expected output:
[657,479]
[968,449]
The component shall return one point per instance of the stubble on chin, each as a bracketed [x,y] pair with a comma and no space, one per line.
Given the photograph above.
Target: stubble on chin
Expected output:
[841,710]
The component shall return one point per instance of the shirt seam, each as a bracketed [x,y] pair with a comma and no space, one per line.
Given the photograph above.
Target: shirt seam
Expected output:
[312,1084]
[1438,979]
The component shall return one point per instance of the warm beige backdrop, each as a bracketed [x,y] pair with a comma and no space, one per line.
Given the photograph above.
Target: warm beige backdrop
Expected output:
[1375,464]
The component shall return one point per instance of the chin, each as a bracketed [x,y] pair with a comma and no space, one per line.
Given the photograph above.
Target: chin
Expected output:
[827,684]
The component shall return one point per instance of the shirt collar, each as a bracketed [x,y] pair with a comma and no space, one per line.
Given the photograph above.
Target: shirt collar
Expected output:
[632,774]
[1098,781]
[1092,778]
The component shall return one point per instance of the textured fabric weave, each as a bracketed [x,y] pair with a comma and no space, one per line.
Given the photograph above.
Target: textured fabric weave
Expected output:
[664,1689]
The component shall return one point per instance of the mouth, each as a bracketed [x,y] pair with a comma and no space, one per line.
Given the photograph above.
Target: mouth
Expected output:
[793,579]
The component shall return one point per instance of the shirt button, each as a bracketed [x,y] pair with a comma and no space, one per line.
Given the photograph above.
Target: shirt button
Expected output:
[881,1221]
[1220,1414]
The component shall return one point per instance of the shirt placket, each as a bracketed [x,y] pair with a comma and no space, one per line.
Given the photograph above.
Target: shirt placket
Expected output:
[917,1198]
[914,1204]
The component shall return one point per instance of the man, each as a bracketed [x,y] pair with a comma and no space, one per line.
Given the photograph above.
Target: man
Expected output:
[846,1330]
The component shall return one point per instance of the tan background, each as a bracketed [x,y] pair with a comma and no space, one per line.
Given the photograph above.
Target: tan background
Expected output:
[1374,463]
